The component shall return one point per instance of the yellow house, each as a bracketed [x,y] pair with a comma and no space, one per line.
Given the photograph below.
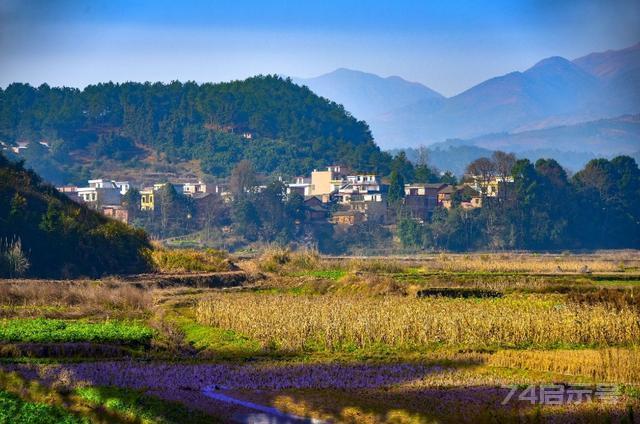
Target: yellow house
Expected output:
[147,200]
[492,187]
[326,182]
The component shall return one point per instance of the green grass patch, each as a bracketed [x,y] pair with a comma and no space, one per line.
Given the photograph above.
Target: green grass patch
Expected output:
[41,330]
[139,407]
[216,342]
[14,410]
[329,274]
[221,342]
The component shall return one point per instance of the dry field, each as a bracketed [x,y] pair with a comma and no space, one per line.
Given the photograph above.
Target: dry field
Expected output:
[72,299]
[335,322]
[600,262]
[430,338]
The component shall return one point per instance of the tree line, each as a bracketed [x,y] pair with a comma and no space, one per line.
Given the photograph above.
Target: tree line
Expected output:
[543,209]
[277,125]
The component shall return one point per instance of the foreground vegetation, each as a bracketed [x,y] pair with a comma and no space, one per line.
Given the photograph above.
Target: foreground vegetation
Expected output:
[41,330]
[418,339]
[28,402]
[13,410]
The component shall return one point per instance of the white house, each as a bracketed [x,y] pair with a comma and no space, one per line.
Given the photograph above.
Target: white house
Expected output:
[190,189]
[100,192]
[300,185]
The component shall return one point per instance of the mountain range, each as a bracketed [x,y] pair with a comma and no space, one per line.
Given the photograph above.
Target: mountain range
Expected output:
[555,92]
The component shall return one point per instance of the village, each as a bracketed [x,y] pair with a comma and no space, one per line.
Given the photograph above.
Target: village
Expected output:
[333,195]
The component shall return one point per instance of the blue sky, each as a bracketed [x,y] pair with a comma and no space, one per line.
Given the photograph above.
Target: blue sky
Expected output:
[447,45]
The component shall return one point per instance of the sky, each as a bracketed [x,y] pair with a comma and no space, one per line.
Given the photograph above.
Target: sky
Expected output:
[448,45]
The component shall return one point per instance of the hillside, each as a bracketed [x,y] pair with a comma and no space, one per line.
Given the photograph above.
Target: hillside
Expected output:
[59,237]
[612,63]
[156,128]
[367,95]
[571,145]
[601,137]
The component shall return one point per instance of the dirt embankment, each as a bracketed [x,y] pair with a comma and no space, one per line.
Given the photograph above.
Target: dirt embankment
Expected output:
[196,280]
[158,280]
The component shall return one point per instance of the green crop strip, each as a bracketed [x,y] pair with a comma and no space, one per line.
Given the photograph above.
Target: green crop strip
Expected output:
[17,411]
[52,330]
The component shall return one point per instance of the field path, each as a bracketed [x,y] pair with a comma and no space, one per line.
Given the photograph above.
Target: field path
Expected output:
[267,414]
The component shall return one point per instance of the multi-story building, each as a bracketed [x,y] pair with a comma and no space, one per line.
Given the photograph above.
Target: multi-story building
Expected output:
[147,199]
[327,182]
[300,185]
[363,193]
[100,192]
[469,197]
[420,200]
[191,189]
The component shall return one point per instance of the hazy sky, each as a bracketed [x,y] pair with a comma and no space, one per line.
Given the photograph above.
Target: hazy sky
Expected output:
[448,45]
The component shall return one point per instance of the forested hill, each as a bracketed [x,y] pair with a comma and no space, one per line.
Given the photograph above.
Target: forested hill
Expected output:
[43,233]
[276,124]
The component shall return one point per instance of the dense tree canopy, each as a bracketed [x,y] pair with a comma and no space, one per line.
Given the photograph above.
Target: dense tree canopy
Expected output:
[268,120]
[543,209]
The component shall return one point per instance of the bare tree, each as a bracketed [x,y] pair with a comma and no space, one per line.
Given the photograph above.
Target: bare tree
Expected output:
[504,163]
[243,178]
[423,156]
[482,169]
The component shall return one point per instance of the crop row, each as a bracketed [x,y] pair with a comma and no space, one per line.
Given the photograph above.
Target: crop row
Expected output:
[336,322]
[53,330]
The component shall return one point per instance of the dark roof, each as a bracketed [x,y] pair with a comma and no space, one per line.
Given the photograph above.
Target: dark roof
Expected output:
[346,213]
[201,195]
[318,208]
[426,185]
[449,189]
[435,185]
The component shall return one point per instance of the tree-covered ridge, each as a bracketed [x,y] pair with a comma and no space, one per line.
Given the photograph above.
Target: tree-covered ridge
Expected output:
[543,209]
[58,237]
[274,123]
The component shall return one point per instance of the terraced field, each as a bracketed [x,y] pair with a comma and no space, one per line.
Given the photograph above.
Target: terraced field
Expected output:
[455,338]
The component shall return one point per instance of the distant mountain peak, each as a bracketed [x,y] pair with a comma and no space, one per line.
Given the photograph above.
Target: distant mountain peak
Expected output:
[367,95]
[552,61]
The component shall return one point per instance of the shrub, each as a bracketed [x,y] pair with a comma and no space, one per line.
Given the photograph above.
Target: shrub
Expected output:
[13,261]
[185,260]
[274,258]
